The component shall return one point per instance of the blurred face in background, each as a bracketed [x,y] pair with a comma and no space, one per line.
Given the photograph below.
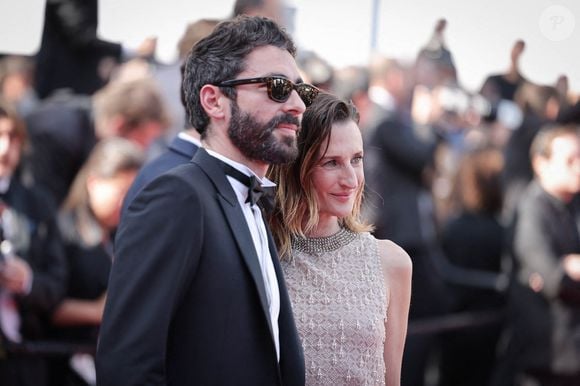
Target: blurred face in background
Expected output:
[145,133]
[106,196]
[560,173]
[10,147]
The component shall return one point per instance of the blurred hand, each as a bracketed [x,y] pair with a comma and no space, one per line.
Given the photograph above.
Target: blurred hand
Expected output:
[571,265]
[536,282]
[147,47]
[15,275]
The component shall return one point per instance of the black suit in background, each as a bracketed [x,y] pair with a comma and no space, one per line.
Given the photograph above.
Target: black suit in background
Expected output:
[518,172]
[71,55]
[545,324]
[180,151]
[62,135]
[202,317]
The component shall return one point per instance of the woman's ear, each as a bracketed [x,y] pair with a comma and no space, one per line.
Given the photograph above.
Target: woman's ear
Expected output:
[213,101]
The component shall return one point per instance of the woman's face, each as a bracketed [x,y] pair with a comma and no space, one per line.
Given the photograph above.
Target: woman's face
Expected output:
[106,196]
[338,176]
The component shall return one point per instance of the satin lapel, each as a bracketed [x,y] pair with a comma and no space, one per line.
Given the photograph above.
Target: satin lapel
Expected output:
[236,221]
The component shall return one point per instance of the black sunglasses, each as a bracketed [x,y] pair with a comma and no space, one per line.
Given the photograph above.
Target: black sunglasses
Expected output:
[279,89]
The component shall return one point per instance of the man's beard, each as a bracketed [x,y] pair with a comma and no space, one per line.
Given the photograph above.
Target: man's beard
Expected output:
[257,141]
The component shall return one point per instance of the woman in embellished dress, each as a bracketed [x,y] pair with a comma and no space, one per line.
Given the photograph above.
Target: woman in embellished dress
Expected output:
[350,292]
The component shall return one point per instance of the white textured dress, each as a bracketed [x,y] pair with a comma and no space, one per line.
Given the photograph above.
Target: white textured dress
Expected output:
[339,300]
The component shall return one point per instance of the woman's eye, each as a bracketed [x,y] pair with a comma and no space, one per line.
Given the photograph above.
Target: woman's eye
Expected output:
[330,163]
[357,159]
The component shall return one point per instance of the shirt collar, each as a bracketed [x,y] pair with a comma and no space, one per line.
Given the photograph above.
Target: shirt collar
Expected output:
[189,138]
[265,182]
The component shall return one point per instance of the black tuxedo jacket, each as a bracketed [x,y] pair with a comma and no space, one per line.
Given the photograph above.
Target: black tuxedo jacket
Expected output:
[186,302]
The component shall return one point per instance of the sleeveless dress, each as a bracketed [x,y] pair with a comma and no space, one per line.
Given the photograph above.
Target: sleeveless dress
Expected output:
[339,300]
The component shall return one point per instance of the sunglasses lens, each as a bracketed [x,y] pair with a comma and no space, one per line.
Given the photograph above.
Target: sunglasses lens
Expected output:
[307,93]
[280,89]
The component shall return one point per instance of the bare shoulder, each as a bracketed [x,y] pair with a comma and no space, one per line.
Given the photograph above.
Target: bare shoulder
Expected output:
[393,257]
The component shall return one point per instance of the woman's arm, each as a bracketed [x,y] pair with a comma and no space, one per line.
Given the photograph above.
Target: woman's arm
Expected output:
[75,312]
[397,269]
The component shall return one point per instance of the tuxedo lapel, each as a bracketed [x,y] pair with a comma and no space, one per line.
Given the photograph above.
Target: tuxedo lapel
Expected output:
[236,221]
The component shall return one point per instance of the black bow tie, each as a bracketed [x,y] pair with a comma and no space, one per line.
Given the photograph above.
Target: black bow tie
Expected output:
[262,195]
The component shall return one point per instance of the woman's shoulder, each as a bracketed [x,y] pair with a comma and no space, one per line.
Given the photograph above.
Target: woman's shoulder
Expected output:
[393,256]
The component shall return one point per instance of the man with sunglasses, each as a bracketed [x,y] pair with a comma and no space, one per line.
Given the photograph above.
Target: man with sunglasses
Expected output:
[196,294]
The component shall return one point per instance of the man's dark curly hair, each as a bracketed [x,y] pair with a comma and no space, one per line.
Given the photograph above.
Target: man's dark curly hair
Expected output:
[221,56]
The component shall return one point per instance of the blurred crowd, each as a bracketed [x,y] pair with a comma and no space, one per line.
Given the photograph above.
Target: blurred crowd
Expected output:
[449,176]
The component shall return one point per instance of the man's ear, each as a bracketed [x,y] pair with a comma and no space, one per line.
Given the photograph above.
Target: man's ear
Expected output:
[213,101]
[539,163]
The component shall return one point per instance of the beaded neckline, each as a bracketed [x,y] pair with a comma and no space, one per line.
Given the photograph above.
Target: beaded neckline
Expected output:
[317,245]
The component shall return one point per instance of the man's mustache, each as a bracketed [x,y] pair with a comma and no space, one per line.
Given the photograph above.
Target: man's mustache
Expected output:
[286,118]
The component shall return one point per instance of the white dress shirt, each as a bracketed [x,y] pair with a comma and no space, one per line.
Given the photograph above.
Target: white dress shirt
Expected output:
[253,216]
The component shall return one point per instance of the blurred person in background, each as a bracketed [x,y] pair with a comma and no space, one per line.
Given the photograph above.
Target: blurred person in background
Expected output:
[562,86]
[72,56]
[32,268]
[434,65]
[472,239]
[570,106]
[399,156]
[503,86]
[400,165]
[133,109]
[65,128]
[389,92]
[540,105]
[16,83]
[88,219]
[272,9]
[544,301]
[351,83]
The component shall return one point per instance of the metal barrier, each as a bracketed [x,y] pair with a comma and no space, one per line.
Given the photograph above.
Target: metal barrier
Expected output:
[48,348]
[455,321]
